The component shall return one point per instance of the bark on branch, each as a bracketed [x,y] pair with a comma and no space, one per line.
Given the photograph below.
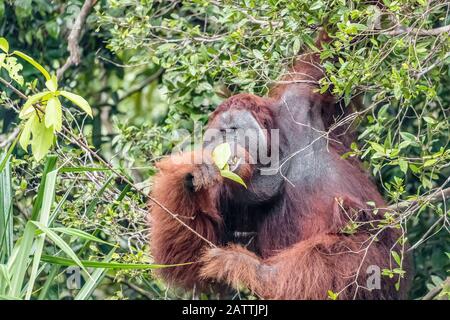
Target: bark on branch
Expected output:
[74,38]
[416,31]
[436,197]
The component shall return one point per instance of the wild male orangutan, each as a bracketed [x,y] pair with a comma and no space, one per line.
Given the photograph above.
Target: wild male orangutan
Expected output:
[284,236]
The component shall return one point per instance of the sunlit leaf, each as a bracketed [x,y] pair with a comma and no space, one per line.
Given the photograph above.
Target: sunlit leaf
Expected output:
[53,114]
[28,109]
[2,59]
[332,295]
[403,165]
[4,45]
[258,54]
[26,132]
[232,176]
[429,120]
[14,69]
[221,154]
[408,136]
[79,101]
[33,62]
[430,162]
[52,83]
[42,140]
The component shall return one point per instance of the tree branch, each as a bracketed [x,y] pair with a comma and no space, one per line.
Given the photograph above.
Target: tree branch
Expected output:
[149,80]
[432,66]
[10,138]
[435,291]
[417,31]
[10,86]
[437,196]
[74,38]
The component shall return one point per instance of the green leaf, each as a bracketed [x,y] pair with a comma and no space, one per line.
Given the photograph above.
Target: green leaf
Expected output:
[6,297]
[60,243]
[34,63]
[48,282]
[6,211]
[396,257]
[5,160]
[317,5]
[4,45]
[378,148]
[20,265]
[14,69]
[408,136]
[53,114]
[79,101]
[430,162]
[95,280]
[27,108]
[429,120]
[82,169]
[5,278]
[52,83]
[221,154]
[403,165]
[296,46]
[42,140]
[47,202]
[26,132]
[232,176]
[332,295]
[258,54]
[109,265]
[80,234]
[2,59]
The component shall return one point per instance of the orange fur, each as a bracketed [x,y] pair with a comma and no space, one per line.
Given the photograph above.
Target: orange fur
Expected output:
[300,251]
[171,242]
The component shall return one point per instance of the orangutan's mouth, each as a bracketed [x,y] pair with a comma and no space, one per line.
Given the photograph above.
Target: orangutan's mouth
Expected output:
[234,163]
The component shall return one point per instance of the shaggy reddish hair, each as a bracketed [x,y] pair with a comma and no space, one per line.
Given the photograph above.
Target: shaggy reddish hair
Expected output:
[300,250]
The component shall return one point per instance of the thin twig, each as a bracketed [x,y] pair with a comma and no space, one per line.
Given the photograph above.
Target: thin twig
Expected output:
[143,84]
[133,287]
[10,86]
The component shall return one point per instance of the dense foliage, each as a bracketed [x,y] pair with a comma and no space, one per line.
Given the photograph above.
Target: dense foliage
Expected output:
[149,70]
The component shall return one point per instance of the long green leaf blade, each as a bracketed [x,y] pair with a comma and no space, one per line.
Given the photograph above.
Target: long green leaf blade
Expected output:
[6,211]
[49,194]
[95,280]
[81,234]
[109,265]
[60,243]
[34,63]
